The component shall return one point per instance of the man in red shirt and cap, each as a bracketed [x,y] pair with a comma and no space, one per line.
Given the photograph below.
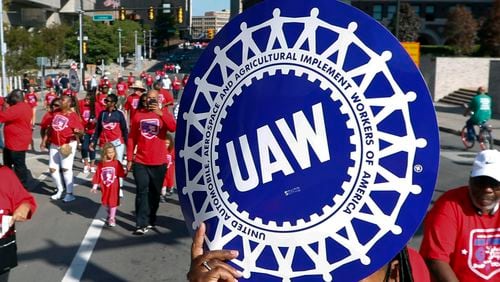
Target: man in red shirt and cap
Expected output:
[18,134]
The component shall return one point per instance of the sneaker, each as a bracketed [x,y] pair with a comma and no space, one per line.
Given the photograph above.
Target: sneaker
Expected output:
[111,222]
[92,168]
[140,231]
[86,169]
[121,192]
[169,192]
[68,198]
[56,196]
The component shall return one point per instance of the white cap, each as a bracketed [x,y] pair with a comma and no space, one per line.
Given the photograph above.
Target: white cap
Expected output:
[487,163]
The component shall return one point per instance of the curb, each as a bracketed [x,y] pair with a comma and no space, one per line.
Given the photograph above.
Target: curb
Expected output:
[458,132]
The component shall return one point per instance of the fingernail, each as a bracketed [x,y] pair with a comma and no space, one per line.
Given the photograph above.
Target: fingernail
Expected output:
[240,274]
[235,253]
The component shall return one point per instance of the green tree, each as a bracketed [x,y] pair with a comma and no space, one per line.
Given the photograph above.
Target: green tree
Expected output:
[49,42]
[20,51]
[103,40]
[489,34]
[461,30]
[164,28]
[409,24]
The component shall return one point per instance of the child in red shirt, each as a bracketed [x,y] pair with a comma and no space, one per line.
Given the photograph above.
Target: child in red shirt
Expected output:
[32,99]
[168,181]
[107,175]
[51,95]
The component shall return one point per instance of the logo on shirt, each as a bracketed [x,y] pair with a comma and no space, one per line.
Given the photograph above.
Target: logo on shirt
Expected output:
[301,143]
[135,103]
[59,122]
[108,176]
[109,125]
[484,254]
[86,115]
[150,128]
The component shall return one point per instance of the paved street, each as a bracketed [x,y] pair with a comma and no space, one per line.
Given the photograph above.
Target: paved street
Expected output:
[69,242]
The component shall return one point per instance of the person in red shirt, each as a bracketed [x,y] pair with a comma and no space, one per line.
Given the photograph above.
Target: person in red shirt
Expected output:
[165,98]
[121,92]
[107,175]
[17,203]
[69,92]
[185,80]
[143,75]
[104,82]
[45,122]
[18,134]
[176,86]
[101,97]
[49,83]
[51,95]
[130,79]
[168,181]
[147,138]
[32,99]
[88,115]
[149,81]
[461,230]
[133,99]
[65,129]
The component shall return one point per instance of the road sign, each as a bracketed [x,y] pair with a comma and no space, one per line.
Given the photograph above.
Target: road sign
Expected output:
[413,49]
[102,18]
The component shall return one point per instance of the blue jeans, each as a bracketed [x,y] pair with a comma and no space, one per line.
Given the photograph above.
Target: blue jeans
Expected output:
[85,147]
[148,181]
[471,131]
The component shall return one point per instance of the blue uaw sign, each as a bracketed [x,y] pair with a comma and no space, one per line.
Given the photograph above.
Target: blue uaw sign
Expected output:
[306,140]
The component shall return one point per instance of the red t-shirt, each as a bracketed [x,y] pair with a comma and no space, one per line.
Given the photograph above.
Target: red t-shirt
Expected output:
[49,97]
[62,125]
[107,176]
[455,233]
[12,195]
[130,80]
[148,132]
[46,120]
[149,80]
[18,131]
[85,115]
[165,97]
[100,99]
[121,89]
[110,128]
[176,84]
[168,181]
[31,99]
[131,104]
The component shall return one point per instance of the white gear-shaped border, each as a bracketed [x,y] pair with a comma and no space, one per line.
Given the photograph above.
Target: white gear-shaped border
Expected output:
[397,102]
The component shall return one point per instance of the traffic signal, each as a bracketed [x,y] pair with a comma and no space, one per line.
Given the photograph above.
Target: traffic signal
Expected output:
[84,47]
[121,14]
[210,33]
[151,13]
[180,16]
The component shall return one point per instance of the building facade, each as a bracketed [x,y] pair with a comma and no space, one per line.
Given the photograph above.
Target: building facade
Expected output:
[210,21]
[433,14]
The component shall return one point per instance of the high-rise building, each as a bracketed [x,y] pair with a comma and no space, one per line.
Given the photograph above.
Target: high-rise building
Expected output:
[211,20]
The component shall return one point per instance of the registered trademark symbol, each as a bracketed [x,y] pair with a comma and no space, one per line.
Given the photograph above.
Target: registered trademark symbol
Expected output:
[418,168]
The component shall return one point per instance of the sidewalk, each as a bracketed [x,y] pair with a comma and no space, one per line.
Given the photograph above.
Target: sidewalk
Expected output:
[451,120]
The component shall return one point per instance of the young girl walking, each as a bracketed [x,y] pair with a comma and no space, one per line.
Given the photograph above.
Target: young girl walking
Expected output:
[108,172]
[168,181]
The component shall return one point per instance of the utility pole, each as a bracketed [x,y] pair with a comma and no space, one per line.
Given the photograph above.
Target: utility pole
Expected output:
[3,49]
[398,6]
[150,44]
[120,49]
[80,39]
[144,43]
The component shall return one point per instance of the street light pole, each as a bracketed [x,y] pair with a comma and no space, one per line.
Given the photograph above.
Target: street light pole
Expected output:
[398,6]
[80,39]
[150,44]
[120,49]
[144,44]
[136,53]
[3,48]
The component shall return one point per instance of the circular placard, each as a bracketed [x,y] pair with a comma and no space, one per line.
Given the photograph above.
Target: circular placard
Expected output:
[307,140]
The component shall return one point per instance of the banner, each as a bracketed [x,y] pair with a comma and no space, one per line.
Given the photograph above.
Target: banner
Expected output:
[308,141]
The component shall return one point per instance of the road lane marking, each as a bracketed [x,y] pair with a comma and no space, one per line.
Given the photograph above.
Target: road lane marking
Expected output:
[82,257]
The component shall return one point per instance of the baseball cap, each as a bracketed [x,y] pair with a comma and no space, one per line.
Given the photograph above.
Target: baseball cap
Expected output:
[487,163]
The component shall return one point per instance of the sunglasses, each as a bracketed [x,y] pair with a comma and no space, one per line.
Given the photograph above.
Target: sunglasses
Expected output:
[56,105]
[108,101]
